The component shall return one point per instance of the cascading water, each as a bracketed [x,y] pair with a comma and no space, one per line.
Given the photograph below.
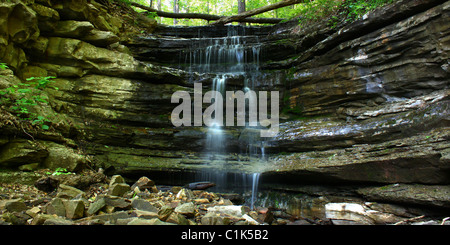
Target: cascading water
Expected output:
[255,183]
[229,57]
[215,137]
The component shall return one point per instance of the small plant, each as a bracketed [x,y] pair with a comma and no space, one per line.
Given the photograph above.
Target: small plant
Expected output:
[24,98]
[337,10]
[3,66]
[152,15]
[60,171]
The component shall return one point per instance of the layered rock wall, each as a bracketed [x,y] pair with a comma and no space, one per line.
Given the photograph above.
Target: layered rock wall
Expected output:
[362,102]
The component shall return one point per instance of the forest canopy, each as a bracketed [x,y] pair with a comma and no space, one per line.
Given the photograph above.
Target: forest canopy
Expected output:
[309,10]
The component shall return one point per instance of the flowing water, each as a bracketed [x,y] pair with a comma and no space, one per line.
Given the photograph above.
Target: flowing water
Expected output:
[230,57]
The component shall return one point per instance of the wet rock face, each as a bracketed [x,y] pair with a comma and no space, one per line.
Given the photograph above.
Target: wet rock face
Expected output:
[375,97]
[397,60]
[365,102]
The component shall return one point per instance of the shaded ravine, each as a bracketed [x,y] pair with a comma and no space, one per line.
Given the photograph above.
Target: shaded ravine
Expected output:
[363,104]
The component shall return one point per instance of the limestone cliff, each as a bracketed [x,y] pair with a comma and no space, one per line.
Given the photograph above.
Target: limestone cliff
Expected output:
[362,102]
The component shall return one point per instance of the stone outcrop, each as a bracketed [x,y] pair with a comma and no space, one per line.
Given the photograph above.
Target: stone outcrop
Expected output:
[361,102]
[376,96]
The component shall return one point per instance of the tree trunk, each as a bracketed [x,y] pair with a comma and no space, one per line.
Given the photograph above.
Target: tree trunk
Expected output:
[208,17]
[176,9]
[241,6]
[158,5]
[242,16]
[241,9]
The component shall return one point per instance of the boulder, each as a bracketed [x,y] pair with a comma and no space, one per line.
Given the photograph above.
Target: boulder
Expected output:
[33,211]
[69,192]
[117,202]
[46,184]
[165,212]
[81,180]
[231,210]
[15,205]
[185,194]
[60,156]
[96,206]
[57,207]
[41,218]
[347,212]
[143,183]
[178,219]
[29,167]
[213,219]
[118,189]
[116,179]
[14,219]
[74,209]
[144,214]
[22,152]
[355,213]
[186,209]
[143,205]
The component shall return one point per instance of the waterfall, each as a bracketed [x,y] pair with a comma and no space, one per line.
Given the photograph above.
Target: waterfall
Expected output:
[228,57]
[255,182]
[215,138]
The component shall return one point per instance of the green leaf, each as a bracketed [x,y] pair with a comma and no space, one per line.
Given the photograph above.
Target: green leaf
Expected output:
[45,127]
[24,90]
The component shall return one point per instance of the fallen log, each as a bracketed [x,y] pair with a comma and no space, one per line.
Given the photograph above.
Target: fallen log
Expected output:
[208,17]
[199,185]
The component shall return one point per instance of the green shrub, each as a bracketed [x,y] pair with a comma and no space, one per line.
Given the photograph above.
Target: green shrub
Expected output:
[23,99]
[337,10]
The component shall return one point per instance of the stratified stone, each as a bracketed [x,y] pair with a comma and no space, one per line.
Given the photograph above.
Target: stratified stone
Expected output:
[74,209]
[143,205]
[213,219]
[178,219]
[69,192]
[56,206]
[187,209]
[118,189]
[165,212]
[96,206]
[19,152]
[427,195]
[143,183]
[117,202]
[15,205]
[116,179]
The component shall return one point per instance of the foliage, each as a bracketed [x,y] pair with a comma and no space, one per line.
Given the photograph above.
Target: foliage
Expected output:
[336,10]
[60,171]
[310,11]
[23,99]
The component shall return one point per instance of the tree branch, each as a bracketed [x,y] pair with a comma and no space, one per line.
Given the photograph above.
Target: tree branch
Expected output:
[208,17]
[242,16]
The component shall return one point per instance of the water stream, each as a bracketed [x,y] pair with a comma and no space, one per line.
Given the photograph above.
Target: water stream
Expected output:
[229,57]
